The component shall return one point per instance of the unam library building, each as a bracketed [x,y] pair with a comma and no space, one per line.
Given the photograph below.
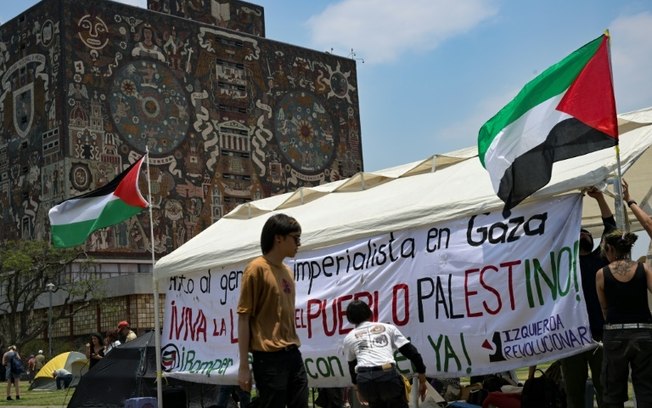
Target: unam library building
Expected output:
[228,116]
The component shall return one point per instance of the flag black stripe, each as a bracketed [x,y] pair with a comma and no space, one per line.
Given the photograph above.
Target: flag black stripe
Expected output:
[108,188]
[532,171]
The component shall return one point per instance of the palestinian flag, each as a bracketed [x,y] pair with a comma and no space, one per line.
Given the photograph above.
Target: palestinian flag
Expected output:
[569,110]
[75,219]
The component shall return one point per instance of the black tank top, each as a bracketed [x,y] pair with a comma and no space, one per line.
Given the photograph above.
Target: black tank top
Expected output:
[627,301]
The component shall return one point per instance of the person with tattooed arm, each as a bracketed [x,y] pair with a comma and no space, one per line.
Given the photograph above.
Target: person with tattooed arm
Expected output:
[622,288]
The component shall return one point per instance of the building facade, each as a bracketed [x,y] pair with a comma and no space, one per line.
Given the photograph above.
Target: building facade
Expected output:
[227,115]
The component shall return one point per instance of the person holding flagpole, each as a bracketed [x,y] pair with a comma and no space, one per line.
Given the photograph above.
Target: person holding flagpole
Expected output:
[575,368]
[643,218]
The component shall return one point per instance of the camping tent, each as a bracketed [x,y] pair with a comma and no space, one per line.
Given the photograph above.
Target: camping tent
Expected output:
[73,361]
[127,371]
[440,188]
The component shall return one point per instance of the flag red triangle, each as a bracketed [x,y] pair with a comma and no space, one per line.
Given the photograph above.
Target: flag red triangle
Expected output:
[128,190]
[590,98]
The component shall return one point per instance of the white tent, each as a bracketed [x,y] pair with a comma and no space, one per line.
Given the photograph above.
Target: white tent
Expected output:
[439,188]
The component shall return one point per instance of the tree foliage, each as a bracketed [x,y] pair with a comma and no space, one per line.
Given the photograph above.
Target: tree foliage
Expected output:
[26,269]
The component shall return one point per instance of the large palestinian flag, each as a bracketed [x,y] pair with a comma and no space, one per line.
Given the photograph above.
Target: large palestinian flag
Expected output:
[75,219]
[567,111]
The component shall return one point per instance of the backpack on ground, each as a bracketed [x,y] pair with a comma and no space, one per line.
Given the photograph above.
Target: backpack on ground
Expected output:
[543,392]
[17,366]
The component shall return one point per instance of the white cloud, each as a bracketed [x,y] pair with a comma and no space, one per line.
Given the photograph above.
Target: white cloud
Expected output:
[631,59]
[381,30]
[464,132]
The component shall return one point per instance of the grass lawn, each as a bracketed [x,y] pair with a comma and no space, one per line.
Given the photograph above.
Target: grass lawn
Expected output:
[55,398]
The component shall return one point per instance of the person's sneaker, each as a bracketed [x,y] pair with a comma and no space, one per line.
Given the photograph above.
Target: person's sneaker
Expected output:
[17,397]
[9,398]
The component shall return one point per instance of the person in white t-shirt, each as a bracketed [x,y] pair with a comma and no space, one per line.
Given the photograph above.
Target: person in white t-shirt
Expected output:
[369,349]
[111,341]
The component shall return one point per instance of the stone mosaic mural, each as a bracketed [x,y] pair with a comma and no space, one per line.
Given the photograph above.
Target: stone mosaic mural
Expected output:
[227,116]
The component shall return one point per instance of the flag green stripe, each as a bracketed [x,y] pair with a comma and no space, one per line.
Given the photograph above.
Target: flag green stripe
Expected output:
[553,81]
[67,235]
[115,212]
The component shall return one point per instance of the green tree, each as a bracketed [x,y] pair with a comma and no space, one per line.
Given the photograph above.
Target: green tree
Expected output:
[26,269]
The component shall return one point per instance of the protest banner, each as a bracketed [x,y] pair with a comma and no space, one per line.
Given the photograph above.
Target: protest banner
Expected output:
[475,295]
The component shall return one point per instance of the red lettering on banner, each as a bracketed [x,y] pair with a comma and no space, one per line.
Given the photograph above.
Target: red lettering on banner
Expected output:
[341,313]
[324,320]
[234,340]
[298,319]
[332,318]
[220,327]
[494,304]
[310,315]
[406,296]
[187,324]
[468,293]
[509,265]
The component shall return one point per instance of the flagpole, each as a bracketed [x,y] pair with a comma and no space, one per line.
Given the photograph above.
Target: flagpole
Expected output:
[620,213]
[618,188]
[157,324]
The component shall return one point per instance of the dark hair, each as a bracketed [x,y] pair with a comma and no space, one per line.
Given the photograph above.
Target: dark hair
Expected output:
[621,242]
[358,312]
[279,224]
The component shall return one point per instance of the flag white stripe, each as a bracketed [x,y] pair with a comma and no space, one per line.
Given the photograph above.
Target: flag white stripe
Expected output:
[521,136]
[80,209]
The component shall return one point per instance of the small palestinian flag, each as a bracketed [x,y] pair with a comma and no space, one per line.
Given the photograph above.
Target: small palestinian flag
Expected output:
[75,219]
[567,111]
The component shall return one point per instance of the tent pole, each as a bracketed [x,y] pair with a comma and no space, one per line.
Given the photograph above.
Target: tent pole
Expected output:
[618,189]
[155,295]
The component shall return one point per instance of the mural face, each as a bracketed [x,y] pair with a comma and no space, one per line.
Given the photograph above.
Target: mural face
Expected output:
[93,32]
[227,116]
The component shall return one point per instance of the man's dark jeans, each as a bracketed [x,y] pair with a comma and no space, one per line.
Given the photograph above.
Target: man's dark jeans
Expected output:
[280,379]
[63,381]
[382,389]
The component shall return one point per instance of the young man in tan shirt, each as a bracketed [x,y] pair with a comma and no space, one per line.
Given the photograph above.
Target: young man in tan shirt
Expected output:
[266,320]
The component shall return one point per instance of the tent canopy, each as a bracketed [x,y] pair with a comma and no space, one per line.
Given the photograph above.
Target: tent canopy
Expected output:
[72,361]
[442,187]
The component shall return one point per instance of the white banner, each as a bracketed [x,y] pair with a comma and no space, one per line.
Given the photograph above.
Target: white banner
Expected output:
[475,295]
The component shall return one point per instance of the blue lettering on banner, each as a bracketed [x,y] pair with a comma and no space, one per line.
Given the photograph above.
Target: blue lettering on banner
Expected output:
[542,337]
[551,342]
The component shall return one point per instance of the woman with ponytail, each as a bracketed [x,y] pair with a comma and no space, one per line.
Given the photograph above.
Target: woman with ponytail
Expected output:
[622,288]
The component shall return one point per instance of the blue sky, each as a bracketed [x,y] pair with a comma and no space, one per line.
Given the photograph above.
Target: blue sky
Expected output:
[435,70]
